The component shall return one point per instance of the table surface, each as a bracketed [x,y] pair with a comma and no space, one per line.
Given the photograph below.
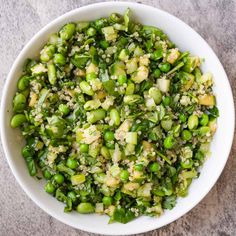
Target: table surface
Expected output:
[214,20]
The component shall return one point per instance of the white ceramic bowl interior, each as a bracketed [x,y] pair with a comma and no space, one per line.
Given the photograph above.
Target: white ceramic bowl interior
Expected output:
[187,40]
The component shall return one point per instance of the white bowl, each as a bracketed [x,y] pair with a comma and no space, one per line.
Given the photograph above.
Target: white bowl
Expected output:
[186,39]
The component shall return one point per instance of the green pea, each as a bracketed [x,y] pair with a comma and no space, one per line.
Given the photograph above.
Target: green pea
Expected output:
[165,67]
[17,120]
[105,152]
[107,200]
[166,124]
[157,73]
[138,167]
[91,31]
[49,188]
[115,116]
[192,122]
[72,196]
[23,83]
[156,94]
[91,76]
[85,208]
[154,167]
[122,79]
[59,178]
[19,102]
[166,101]
[46,174]
[86,88]
[204,119]
[96,115]
[59,59]
[64,109]
[84,148]
[186,135]
[124,175]
[67,31]
[182,117]
[109,136]
[72,163]
[169,142]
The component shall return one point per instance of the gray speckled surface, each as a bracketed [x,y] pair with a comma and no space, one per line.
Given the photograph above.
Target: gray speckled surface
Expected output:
[214,20]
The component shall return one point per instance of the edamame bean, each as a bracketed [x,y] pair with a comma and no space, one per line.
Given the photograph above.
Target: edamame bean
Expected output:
[59,59]
[204,130]
[156,94]
[47,53]
[67,31]
[23,83]
[105,152]
[192,122]
[166,124]
[19,102]
[86,88]
[64,109]
[52,74]
[17,120]
[186,135]
[115,116]
[85,208]
[96,115]
[204,119]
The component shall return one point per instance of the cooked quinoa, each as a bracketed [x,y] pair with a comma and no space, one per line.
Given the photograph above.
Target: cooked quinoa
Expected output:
[115,117]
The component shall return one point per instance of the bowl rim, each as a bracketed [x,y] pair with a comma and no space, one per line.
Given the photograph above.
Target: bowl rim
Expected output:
[11,74]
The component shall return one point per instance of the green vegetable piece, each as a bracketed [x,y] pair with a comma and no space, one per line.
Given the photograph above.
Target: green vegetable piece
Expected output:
[72,163]
[59,178]
[17,120]
[49,188]
[166,124]
[23,82]
[47,174]
[47,53]
[105,152]
[115,116]
[165,67]
[64,109]
[78,179]
[132,99]
[80,61]
[186,135]
[91,32]
[19,102]
[109,136]
[192,122]
[96,115]
[204,119]
[156,94]
[52,74]
[84,148]
[56,126]
[157,73]
[59,59]
[85,208]
[169,142]
[86,88]
[154,167]
[204,130]
[67,31]
[107,200]
[124,175]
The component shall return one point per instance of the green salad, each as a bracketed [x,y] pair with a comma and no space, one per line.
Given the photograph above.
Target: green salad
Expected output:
[115,117]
